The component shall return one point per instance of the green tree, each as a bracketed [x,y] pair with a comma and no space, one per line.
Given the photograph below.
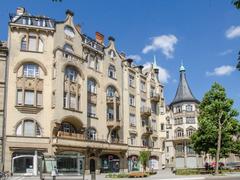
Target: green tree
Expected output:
[144,158]
[217,125]
[236,3]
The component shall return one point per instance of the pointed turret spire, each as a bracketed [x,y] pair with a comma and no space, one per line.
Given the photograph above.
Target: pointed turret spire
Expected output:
[155,62]
[184,93]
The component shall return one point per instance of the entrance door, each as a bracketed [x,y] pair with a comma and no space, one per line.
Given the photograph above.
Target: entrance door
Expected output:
[81,166]
[92,165]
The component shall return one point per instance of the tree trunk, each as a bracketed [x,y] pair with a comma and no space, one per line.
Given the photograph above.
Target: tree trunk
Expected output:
[218,144]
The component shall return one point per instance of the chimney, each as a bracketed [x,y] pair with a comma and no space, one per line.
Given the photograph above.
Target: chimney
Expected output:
[129,62]
[69,13]
[140,68]
[99,37]
[20,10]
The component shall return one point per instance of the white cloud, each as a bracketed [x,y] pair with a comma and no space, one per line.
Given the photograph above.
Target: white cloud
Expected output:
[135,57]
[221,71]
[163,73]
[233,32]
[226,52]
[165,43]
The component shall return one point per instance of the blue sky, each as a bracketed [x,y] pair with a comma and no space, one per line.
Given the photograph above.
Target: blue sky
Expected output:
[204,34]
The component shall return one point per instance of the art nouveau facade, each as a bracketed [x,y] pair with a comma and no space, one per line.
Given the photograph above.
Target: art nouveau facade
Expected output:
[181,122]
[71,97]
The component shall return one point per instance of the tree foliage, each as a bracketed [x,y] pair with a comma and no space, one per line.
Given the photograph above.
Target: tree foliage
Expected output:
[144,157]
[217,124]
[236,3]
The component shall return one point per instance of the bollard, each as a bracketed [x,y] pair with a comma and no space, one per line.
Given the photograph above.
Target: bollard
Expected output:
[93,176]
[54,177]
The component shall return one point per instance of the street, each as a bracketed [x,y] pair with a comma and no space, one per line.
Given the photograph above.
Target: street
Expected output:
[158,176]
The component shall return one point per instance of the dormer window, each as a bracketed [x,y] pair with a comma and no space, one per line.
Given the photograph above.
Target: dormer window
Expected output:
[112,54]
[68,47]
[69,31]
[112,72]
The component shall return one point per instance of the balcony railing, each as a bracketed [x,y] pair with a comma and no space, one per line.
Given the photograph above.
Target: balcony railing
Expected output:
[110,99]
[92,97]
[78,136]
[91,43]
[145,111]
[113,123]
[155,96]
[148,130]
[168,126]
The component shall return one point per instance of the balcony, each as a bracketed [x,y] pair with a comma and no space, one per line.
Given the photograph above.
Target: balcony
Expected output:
[112,123]
[92,97]
[168,126]
[30,83]
[155,97]
[72,86]
[80,141]
[92,44]
[179,154]
[111,99]
[147,130]
[181,138]
[145,111]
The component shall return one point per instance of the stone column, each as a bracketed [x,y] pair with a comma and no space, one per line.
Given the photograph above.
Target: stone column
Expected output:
[35,163]
[123,163]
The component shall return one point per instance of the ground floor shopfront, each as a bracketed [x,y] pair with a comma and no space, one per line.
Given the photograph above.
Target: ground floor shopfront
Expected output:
[35,155]
[32,156]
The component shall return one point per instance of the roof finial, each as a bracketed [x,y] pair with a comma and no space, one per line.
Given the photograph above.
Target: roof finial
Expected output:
[154,62]
[182,68]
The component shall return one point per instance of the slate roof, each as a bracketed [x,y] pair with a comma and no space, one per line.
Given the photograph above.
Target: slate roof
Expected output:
[184,93]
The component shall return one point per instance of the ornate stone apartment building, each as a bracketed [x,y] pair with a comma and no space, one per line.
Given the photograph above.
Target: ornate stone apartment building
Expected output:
[72,100]
[181,122]
[3,63]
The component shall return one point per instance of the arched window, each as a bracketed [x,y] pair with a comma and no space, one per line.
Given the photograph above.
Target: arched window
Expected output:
[179,132]
[92,86]
[111,91]
[190,131]
[92,134]
[67,127]
[28,128]
[71,84]
[71,73]
[112,72]
[69,31]
[68,47]
[30,70]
